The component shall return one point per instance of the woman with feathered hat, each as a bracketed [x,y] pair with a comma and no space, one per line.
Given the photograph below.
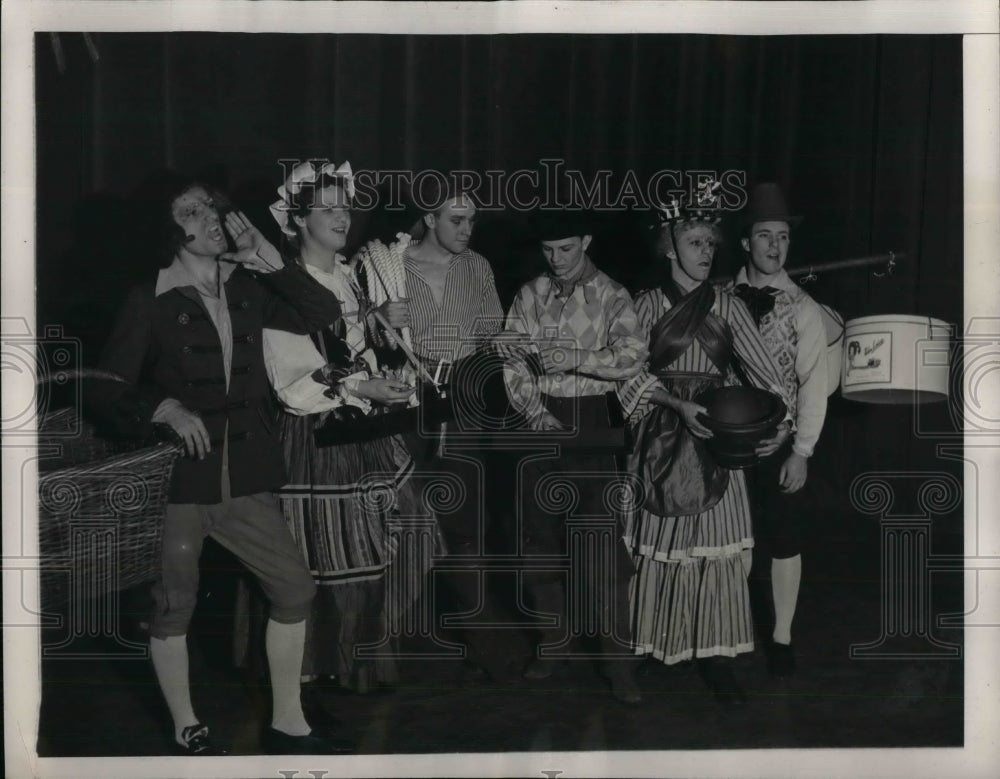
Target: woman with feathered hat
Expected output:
[691,536]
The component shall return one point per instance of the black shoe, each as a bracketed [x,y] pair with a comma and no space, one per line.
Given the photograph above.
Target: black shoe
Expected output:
[197,741]
[276,742]
[317,714]
[473,674]
[780,659]
[623,686]
[505,673]
[541,668]
[720,680]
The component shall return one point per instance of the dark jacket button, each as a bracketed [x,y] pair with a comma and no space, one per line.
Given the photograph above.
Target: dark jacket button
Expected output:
[187,350]
[183,319]
[249,339]
[245,305]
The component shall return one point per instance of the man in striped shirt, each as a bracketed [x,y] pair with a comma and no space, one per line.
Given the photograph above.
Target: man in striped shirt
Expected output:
[453,311]
[453,299]
[572,336]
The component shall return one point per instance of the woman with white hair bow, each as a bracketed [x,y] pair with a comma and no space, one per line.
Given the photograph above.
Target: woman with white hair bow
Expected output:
[336,499]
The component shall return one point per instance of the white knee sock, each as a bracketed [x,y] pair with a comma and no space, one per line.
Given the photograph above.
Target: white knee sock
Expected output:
[785,577]
[284,645]
[170,661]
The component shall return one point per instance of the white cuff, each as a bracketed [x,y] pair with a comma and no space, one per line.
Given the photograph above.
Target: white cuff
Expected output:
[802,451]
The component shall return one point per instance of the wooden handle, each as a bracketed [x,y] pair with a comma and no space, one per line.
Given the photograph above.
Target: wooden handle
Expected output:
[406,349]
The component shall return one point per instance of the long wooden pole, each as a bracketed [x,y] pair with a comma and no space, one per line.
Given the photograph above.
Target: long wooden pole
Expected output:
[889,260]
[418,366]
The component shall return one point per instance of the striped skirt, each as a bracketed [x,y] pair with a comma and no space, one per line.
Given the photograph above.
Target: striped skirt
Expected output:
[689,597]
[368,541]
[341,502]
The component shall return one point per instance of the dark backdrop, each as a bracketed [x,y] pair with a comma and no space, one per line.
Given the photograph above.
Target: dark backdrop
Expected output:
[864,133]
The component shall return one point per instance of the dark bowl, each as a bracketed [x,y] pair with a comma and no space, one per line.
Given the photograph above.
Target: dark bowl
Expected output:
[739,418]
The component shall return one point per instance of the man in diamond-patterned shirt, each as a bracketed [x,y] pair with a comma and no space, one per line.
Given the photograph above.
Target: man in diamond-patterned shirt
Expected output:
[572,338]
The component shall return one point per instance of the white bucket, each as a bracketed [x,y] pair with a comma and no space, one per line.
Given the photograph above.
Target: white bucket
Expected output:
[834,325]
[895,358]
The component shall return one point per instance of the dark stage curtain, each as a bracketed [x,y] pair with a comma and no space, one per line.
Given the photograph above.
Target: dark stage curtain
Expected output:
[864,133]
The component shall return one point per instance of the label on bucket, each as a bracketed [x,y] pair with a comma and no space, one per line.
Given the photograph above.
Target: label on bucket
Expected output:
[868,359]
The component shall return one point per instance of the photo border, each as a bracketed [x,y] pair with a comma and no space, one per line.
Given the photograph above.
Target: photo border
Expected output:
[977,21]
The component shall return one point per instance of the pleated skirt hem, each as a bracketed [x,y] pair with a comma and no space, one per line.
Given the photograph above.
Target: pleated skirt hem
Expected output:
[680,555]
[690,654]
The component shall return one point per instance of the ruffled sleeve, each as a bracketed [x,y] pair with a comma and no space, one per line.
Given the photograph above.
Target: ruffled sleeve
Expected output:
[635,393]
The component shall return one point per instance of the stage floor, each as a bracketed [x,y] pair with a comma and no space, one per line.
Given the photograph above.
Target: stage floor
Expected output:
[99,705]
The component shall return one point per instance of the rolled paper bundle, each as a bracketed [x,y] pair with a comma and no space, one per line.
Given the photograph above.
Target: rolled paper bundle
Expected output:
[386,276]
[397,250]
[376,261]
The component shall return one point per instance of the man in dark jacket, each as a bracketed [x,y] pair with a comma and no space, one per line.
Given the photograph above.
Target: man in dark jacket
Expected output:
[189,348]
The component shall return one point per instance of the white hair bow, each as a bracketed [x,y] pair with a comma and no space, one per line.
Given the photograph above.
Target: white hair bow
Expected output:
[306,173]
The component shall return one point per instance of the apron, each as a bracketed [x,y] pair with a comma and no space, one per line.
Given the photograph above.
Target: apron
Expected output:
[680,476]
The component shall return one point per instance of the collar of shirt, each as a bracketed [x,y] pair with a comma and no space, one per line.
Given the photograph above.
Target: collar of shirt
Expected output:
[411,264]
[341,282]
[176,275]
[585,281]
[341,271]
[781,280]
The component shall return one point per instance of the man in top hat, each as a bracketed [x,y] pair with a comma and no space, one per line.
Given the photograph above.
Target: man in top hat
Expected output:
[791,325]
[571,337]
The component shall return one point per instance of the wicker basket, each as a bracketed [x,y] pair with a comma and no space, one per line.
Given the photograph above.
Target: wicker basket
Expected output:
[101,506]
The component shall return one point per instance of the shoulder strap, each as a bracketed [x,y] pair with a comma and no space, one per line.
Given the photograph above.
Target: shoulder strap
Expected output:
[673,332]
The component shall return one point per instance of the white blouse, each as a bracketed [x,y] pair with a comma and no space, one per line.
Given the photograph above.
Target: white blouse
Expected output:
[292,359]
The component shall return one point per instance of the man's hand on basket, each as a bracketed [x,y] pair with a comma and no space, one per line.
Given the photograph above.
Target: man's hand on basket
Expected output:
[188,426]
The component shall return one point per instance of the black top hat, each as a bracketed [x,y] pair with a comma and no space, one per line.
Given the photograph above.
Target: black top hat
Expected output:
[767,204]
[557,224]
